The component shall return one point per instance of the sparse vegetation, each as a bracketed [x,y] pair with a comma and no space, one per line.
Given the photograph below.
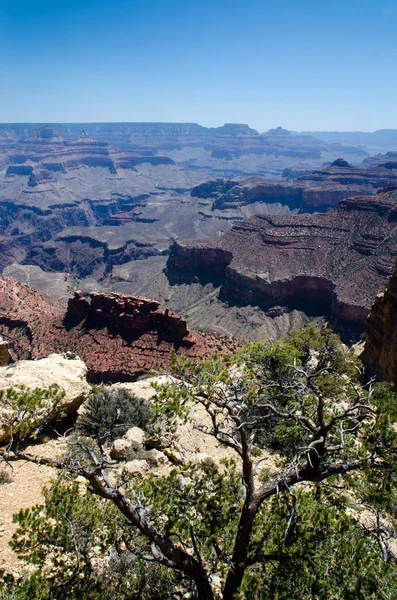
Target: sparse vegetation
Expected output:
[5,475]
[24,411]
[318,523]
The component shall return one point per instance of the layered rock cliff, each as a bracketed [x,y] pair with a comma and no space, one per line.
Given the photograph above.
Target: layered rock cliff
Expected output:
[316,191]
[380,350]
[119,337]
[330,264]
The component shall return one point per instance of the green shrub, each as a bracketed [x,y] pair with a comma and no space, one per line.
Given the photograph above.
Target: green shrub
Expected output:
[111,412]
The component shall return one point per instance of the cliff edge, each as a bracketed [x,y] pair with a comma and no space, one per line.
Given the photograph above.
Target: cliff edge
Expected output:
[380,349]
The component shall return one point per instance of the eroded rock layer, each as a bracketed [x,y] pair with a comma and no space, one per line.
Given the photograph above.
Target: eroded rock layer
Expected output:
[120,337]
[330,264]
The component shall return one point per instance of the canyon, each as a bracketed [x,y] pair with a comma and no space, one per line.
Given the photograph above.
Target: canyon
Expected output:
[331,264]
[105,208]
[232,148]
[316,191]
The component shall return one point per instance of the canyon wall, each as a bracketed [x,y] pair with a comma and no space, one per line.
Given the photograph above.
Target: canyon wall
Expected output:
[330,264]
[380,350]
[315,191]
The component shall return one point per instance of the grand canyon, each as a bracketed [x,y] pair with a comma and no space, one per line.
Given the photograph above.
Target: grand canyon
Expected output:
[243,234]
[133,252]
[198,300]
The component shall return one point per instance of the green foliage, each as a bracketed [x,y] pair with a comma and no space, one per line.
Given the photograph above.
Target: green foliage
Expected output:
[379,489]
[109,413]
[197,500]
[319,551]
[78,547]
[25,412]
[302,522]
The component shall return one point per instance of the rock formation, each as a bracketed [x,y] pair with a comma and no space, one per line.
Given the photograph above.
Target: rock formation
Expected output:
[119,337]
[128,315]
[330,264]
[380,350]
[69,374]
[316,191]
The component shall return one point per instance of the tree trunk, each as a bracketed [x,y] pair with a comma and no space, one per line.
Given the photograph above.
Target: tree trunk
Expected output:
[204,589]
[240,552]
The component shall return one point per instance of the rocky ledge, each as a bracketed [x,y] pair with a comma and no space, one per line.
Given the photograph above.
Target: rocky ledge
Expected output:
[119,337]
[129,314]
[330,264]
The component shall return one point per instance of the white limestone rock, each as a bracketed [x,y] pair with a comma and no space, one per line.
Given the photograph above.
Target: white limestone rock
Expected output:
[135,437]
[68,374]
[134,467]
[120,449]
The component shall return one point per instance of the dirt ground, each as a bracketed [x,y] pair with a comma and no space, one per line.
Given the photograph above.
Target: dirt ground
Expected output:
[24,491]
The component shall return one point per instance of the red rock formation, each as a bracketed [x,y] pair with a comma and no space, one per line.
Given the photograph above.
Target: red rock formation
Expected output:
[330,264]
[129,314]
[380,350]
[118,336]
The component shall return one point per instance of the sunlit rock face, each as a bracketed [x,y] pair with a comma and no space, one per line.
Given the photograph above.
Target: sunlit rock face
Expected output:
[67,373]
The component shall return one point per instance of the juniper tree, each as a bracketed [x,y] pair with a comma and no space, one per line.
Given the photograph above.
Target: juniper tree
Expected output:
[238,531]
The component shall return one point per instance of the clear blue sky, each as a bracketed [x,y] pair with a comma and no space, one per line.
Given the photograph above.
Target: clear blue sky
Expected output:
[302,64]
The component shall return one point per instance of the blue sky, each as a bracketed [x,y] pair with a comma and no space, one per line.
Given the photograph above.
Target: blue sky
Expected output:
[305,65]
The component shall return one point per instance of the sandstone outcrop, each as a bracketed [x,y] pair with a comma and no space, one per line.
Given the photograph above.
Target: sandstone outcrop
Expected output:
[380,350]
[129,314]
[330,264]
[67,374]
[119,337]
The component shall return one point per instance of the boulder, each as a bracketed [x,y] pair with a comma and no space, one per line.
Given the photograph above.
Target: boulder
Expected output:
[134,437]
[68,374]
[134,467]
[154,457]
[120,449]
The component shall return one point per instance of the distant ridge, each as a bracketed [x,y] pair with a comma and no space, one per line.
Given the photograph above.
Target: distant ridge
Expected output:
[384,138]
